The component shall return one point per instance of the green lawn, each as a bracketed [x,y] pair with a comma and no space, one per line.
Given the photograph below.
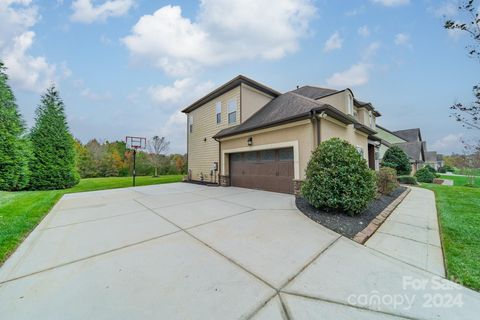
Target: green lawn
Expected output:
[20,212]
[460,181]
[459,218]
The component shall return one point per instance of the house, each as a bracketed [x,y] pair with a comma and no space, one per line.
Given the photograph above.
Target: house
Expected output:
[434,159]
[249,135]
[409,140]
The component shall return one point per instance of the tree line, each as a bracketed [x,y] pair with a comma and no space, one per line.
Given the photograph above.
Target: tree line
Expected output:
[48,157]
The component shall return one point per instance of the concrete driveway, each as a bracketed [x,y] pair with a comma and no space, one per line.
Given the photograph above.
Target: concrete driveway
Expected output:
[184,251]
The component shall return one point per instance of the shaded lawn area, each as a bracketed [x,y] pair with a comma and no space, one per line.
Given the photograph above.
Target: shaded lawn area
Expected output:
[459,218]
[20,212]
[460,181]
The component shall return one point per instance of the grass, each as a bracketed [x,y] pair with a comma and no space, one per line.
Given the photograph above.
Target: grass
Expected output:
[460,181]
[459,216]
[20,212]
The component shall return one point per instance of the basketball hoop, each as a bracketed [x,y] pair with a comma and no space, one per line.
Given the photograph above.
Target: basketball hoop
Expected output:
[135,143]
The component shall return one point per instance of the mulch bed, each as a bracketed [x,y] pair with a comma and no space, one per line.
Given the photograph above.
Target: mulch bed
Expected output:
[343,223]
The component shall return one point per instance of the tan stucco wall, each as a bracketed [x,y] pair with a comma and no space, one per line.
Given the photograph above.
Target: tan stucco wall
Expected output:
[301,131]
[252,101]
[202,154]
[331,128]
[337,101]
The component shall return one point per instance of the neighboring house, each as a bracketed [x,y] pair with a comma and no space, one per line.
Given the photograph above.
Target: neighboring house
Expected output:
[434,159]
[248,135]
[409,140]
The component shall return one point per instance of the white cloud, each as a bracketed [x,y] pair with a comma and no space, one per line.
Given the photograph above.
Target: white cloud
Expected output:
[87,12]
[363,31]
[26,71]
[356,75]
[371,50]
[447,143]
[182,90]
[402,39]
[333,43]
[223,31]
[391,3]
[446,9]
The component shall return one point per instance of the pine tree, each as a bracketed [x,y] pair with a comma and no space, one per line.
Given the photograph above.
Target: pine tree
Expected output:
[14,148]
[53,164]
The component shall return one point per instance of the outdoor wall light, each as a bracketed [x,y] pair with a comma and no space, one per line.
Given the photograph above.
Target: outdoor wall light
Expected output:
[250,141]
[205,139]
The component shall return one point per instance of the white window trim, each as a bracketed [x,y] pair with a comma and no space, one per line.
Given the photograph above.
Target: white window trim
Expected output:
[230,102]
[218,106]
[349,104]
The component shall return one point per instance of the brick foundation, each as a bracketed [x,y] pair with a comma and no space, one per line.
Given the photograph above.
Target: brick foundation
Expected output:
[224,181]
[297,187]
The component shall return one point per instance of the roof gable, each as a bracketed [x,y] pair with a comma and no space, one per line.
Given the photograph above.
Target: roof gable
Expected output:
[235,82]
[411,135]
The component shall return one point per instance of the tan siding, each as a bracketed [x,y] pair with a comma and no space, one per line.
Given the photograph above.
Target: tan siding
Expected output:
[202,154]
[252,101]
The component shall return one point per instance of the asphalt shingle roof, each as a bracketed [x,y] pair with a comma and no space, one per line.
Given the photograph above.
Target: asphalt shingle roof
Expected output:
[411,135]
[314,92]
[412,149]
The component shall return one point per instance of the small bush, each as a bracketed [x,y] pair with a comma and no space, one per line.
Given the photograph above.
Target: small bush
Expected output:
[430,168]
[386,180]
[448,168]
[395,158]
[338,178]
[442,170]
[407,180]
[425,175]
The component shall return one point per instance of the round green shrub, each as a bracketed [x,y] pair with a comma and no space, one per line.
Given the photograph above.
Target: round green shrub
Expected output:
[407,180]
[338,178]
[425,175]
[395,158]
[431,169]
[386,180]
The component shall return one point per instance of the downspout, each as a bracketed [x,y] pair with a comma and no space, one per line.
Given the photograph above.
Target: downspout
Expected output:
[316,125]
[219,159]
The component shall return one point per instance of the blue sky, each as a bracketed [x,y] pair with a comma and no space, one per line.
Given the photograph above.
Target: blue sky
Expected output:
[125,67]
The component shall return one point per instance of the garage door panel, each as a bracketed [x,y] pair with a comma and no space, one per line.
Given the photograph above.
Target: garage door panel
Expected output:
[270,170]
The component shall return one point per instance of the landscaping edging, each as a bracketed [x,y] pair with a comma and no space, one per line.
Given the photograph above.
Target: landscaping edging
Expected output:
[369,230]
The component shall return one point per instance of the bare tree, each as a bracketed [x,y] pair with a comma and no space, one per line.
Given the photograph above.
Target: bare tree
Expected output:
[468,22]
[157,146]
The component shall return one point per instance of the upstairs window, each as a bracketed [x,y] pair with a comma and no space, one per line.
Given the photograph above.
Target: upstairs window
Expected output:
[349,104]
[370,118]
[218,112]
[190,123]
[232,111]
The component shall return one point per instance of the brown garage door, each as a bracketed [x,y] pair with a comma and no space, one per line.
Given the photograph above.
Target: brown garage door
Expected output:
[270,170]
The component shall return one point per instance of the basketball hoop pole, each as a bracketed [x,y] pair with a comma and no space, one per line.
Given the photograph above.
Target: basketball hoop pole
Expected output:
[135,143]
[134,156]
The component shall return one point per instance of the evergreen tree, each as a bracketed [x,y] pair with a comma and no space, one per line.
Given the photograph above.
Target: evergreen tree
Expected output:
[53,165]
[395,158]
[14,149]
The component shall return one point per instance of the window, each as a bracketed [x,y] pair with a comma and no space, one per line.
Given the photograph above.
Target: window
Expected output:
[360,150]
[251,156]
[349,104]
[267,155]
[285,154]
[190,123]
[236,157]
[218,112]
[232,111]
[370,118]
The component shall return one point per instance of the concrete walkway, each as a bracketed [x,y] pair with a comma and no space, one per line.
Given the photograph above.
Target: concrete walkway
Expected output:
[183,251]
[411,233]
